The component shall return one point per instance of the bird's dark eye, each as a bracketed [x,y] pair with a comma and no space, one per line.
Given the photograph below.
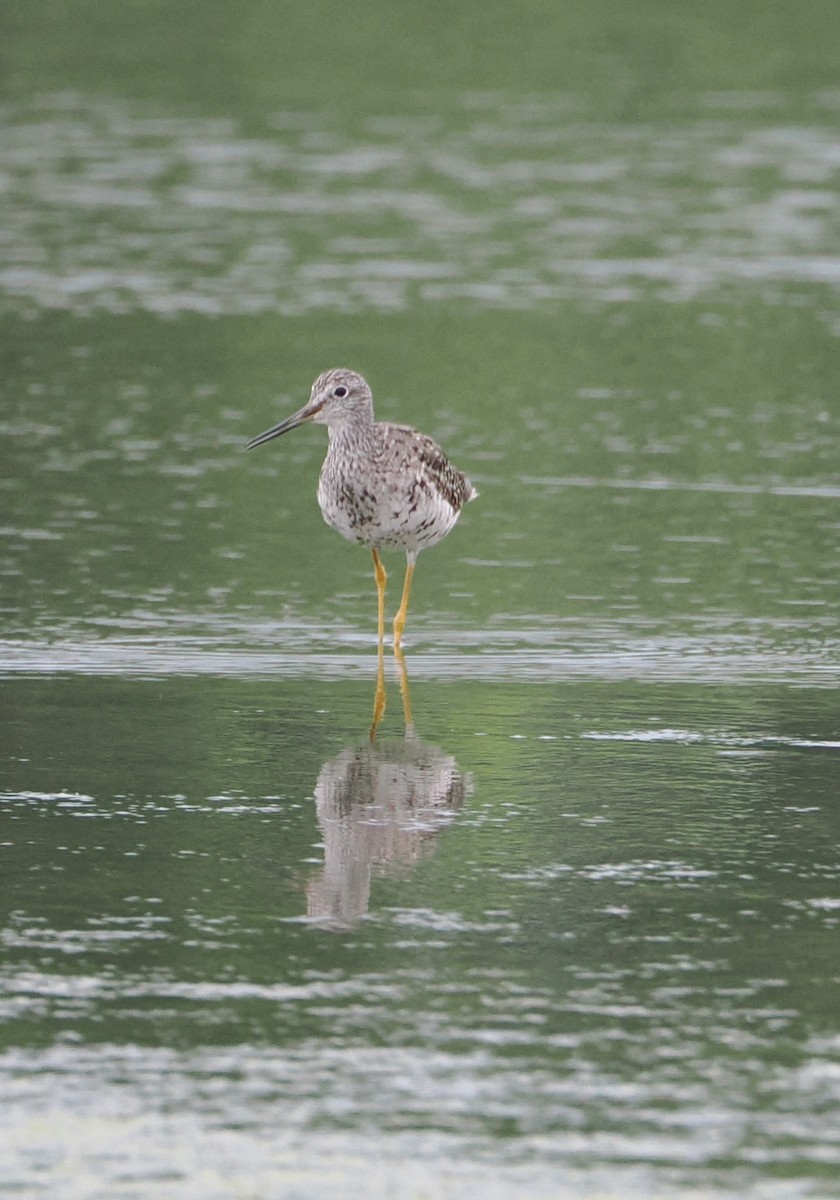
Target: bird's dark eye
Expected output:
[341,392]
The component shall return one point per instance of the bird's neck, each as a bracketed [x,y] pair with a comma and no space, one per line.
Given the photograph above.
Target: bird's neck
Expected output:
[356,434]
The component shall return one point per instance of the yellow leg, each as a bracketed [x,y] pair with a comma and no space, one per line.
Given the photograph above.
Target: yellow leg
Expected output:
[381,578]
[379,698]
[399,619]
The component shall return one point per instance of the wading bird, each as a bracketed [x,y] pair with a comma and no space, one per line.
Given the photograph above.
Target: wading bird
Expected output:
[383,486]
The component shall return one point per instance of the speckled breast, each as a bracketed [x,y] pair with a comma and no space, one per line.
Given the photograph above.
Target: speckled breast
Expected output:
[384,512]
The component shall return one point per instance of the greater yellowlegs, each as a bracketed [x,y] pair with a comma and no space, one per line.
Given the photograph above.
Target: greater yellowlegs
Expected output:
[383,486]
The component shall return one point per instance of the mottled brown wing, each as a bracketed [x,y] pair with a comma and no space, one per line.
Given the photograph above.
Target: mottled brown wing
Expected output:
[447,480]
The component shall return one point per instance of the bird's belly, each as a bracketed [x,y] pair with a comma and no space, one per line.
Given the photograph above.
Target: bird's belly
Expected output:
[385,518]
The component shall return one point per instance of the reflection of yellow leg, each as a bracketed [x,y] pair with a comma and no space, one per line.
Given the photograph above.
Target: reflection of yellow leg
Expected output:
[399,619]
[379,699]
[404,692]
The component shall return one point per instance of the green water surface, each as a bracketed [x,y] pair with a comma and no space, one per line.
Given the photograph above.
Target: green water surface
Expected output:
[573,931]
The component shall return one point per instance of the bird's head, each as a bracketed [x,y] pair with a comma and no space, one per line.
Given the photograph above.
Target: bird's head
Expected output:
[338,396]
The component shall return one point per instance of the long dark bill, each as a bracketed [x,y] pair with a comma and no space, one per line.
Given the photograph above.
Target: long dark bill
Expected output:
[299,418]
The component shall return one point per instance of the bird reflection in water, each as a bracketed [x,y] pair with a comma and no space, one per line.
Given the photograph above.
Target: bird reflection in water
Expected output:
[380,807]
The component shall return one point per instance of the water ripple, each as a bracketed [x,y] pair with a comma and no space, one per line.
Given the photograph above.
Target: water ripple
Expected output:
[607,653]
[512,206]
